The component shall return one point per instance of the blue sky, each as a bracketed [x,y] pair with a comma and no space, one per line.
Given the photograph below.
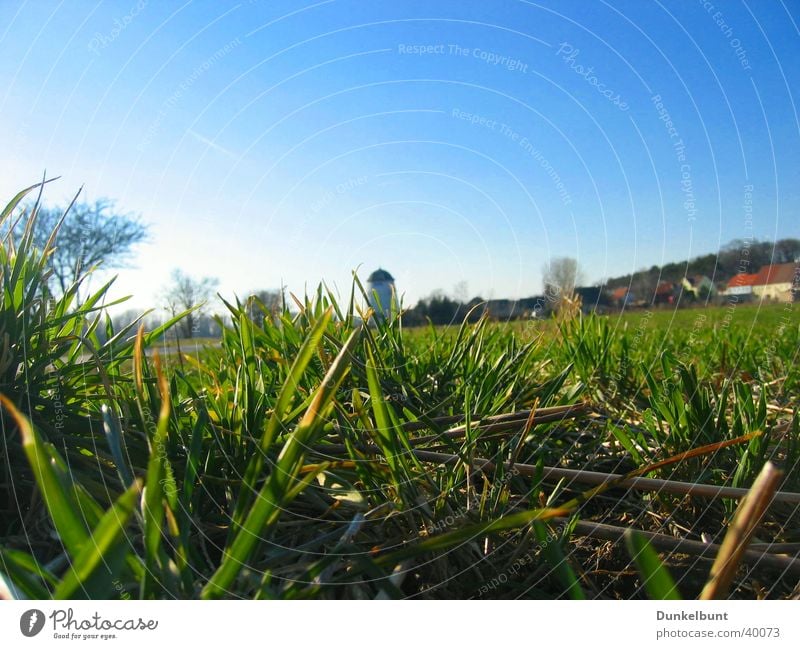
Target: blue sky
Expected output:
[271,143]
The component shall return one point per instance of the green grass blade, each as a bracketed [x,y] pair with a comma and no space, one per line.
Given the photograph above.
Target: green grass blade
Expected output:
[20,195]
[555,557]
[95,569]
[58,497]
[449,540]
[273,495]
[656,578]
[284,401]
[115,444]
[26,574]
[153,500]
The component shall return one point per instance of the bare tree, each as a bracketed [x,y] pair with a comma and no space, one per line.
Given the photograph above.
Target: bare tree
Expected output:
[560,277]
[127,317]
[89,234]
[186,293]
[461,291]
[263,302]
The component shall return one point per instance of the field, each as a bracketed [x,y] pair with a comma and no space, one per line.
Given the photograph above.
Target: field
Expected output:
[316,457]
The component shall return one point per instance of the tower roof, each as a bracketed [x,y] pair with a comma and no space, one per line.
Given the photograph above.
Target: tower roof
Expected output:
[380,275]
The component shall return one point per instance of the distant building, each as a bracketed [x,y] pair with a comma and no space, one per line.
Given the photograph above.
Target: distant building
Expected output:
[381,292]
[741,284]
[665,293]
[700,286]
[775,282]
[593,298]
[622,296]
[524,308]
[771,282]
[536,306]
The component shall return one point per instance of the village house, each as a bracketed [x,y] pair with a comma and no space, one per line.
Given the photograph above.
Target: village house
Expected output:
[622,296]
[700,286]
[741,285]
[665,293]
[775,282]
[771,282]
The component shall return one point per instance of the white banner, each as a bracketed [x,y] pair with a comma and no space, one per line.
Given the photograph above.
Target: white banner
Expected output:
[422,624]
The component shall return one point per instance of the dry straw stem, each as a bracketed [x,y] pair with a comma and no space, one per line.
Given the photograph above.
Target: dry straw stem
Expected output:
[777,548]
[511,422]
[602,481]
[597,478]
[747,518]
[684,546]
[541,414]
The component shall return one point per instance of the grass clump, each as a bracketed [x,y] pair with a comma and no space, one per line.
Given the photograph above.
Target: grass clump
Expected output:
[314,454]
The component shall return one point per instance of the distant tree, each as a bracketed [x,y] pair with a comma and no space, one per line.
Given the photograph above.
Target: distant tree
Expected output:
[122,320]
[270,301]
[673,271]
[643,285]
[560,277]
[185,293]
[89,234]
[736,256]
[730,260]
[461,291]
[443,310]
[787,250]
[438,308]
[476,307]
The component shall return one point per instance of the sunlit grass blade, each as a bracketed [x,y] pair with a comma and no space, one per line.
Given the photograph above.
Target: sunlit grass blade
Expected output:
[286,397]
[94,570]
[27,575]
[450,540]
[58,496]
[115,444]
[153,498]
[12,204]
[655,577]
[279,483]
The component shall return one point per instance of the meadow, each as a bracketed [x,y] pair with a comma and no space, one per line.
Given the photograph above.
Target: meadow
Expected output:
[312,456]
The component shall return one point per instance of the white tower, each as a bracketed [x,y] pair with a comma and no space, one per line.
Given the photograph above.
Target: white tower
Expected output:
[381,292]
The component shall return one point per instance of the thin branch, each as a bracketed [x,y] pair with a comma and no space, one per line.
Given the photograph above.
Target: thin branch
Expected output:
[683,546]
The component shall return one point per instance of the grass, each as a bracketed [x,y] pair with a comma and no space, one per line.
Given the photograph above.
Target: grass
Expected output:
[293,459]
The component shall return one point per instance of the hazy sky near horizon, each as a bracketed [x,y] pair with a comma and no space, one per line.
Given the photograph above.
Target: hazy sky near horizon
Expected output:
[271,143]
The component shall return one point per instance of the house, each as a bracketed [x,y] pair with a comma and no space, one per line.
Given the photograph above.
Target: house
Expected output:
[776,282]
[665,293]
[700,286]
[622,296]
[741,284]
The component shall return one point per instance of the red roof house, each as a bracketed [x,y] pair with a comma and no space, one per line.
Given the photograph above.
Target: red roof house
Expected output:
[777,282]
[741,284]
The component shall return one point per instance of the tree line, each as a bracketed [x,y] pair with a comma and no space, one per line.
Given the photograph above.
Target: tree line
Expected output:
[737,256]
[90,233]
